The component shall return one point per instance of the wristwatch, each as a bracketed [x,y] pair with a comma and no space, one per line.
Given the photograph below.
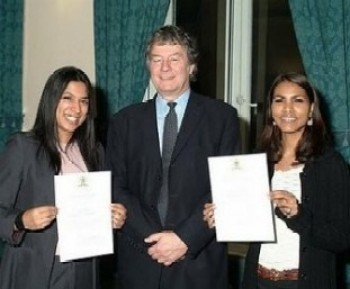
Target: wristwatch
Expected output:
[19,222]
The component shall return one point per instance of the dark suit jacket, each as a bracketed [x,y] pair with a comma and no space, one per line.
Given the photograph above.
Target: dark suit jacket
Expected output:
[323,223]
[26,181]
[209,128]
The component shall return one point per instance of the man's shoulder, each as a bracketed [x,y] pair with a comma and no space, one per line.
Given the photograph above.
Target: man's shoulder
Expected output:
[213,104]
[134,109]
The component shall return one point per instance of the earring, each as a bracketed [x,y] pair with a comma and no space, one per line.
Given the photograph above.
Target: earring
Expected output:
[310,121]
[273,123]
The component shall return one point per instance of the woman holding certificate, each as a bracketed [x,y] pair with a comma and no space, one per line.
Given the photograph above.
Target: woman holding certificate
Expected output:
[310,185]
[62,141]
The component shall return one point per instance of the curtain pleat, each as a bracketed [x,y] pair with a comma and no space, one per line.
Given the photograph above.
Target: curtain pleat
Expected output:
[122,28]
[11,43]
[323,33]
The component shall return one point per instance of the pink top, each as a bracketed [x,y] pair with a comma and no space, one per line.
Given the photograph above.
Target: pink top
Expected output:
[72,160]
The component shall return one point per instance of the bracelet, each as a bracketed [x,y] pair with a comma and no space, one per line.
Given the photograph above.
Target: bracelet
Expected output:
[19,222]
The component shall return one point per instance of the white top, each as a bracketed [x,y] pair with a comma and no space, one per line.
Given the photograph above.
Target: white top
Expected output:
[284,254]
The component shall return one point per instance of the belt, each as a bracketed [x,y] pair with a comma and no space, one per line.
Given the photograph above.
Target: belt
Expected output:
[275,275]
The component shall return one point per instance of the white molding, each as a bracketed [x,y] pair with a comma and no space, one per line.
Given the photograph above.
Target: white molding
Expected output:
[238,68]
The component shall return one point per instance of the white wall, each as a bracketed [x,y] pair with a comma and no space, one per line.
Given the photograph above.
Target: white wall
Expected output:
[56,33]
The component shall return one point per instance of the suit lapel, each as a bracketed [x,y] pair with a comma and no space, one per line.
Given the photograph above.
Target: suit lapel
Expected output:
[150,127]
[193,115]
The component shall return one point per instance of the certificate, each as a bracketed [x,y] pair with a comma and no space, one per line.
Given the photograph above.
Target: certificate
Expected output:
[84,218]
[240,188]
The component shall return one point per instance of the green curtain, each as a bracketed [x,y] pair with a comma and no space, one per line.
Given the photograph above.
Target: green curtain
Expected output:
[323,32]
[122,28]
[11,35]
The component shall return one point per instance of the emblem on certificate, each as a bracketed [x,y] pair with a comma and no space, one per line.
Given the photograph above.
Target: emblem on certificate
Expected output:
[236,165]
[83,182]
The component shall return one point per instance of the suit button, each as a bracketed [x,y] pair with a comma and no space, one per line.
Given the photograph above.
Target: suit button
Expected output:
[306,199]
[303,276]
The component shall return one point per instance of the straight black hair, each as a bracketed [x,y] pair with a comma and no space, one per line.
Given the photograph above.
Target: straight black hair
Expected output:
[45,126]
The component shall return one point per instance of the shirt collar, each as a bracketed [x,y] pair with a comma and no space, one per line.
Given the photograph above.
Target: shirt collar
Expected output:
[163,108]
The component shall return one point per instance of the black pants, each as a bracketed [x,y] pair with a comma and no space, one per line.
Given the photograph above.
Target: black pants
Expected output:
[268,284]
[72,275]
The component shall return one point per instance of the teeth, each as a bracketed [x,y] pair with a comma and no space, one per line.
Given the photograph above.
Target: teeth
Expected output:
[289,119]
[72,119]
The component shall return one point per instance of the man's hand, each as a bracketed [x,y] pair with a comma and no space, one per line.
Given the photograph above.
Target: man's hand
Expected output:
[167,247]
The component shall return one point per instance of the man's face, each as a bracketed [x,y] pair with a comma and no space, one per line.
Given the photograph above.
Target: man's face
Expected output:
[170,70]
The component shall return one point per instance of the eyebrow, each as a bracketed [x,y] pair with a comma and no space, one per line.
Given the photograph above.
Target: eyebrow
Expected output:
[293,96]
[69,93]
[174,54]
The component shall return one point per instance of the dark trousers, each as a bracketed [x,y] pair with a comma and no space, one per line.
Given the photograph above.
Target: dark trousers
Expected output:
[285,284]
[72,275]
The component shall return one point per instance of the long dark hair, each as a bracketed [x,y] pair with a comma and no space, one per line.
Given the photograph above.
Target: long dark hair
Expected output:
[45,126]
[314,139]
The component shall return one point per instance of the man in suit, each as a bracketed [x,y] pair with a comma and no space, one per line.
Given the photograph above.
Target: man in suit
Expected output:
[175,251]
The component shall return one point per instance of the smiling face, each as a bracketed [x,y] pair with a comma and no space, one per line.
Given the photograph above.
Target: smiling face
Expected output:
[72,110]
[290,108]
[170,70]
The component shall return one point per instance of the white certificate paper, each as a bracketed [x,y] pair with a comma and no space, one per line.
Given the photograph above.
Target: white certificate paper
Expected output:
[84,215]
[240,188]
